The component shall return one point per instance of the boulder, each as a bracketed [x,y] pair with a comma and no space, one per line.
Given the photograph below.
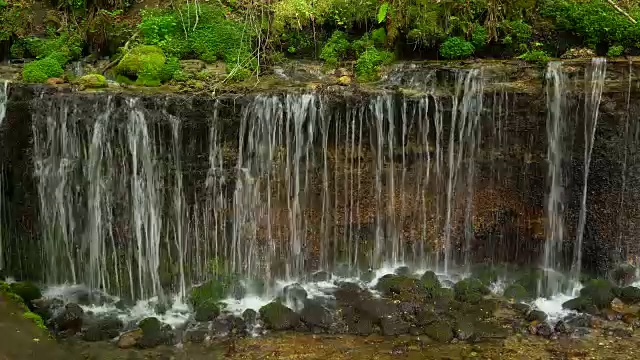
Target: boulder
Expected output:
[129,339]
[360,326]
[47,307]
[197,334]
[470,290]
[536,315]
[376,309]
[316,316]
[250,316]
[279,317]
[544,329]
[440,331]
[27,291]
[598,292]
[629,295]
[516,292]
[154,333]
[206,310]
[103,329]
[92,81]
[295,295]
[393,326]
[69,320]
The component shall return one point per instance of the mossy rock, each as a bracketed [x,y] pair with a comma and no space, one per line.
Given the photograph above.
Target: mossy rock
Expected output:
[629,295]
[440,331]
[581,304]
[39,71]
[27,291]
[207,311]
[279,317]
[396,285]
[487,274]
[430,282]
[470,290]
[153,333]
[516,292]
[536,315]
[600,292]
[142,62]
[210,291]
[93,81]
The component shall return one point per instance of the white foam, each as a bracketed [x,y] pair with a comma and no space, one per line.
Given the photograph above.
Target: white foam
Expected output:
[553,307]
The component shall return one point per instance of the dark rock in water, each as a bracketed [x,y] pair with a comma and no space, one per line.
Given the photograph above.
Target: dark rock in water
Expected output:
[206,310]
[629,295]
[349,294]
[279,317]
[315,315]
[536,315]
[376,309]
[598,293]
[47,308]
[69,320]
[578,321]
[431,285]
[360,326]
[582,304]
[229,326]
[402,287]
[463,329]
[197,334]
[623,274]
[154,333]
[393,326]
[440,331]
[563,328]
[403,271]
[295,295]
[521,308]
[544,329]
[470,290]
[27,291]
[516,292]
[103,329]
[321,276]
[250,316]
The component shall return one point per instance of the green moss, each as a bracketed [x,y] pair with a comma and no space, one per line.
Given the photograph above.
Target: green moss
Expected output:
[93,81]
[207,310]
[535,56]
[336,49]
[516,292]
[68,44]
[456,48]
[39,71]
[600,292]
[143,60]
[369,64]
[35,318]
[26,290]
[170,68]
[470,290]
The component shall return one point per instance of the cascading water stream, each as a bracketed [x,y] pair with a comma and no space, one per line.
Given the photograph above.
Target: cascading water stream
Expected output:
[4,87]
[556,154]
[594,83]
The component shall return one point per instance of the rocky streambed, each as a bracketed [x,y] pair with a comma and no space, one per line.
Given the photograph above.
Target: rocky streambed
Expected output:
[401,314]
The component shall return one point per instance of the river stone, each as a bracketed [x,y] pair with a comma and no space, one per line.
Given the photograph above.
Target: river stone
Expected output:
[70,319]
[536,315]
[349,294]
[295,295]
[629,295]
[440,331]
[279,317]
[470,290]
[316,316]
[206,310]
[154,333]
[393,326]
[376,309]
[47,307]
[130,339]
[544,329]
[360,326]
[562,327]
[103,329]
[250,316]
[197,334]
[463,329]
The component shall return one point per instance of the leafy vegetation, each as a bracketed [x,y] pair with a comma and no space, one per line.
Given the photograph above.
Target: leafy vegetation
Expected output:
[244,34]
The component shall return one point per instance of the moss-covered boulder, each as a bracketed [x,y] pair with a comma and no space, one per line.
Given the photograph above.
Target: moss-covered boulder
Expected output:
[536,315]
[144,63]
[276,316]
[206,310]
[516,292]
[470,290]
[210,291]
[431,284]
[439,330]
[92,81]
[629,295]
[600,292]
[103,329]
[26,290]
[154,333]
[403,287]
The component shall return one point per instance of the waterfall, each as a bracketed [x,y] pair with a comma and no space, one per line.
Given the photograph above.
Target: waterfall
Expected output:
[4,86]
[594,83]
[556,93]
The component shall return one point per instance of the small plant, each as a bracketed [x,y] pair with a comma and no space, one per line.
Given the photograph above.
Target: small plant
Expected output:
[369,63]
[535,56]
[615,50]
[479,37]
[335,49]
[456,48]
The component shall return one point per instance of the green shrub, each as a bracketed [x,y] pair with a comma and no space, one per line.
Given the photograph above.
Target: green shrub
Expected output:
[170,68]
[336,49]
[615,50]
[456,48]
[69,45]
[361,45]
[379,37]
[369,63]
[515,33]
[479,37]
[39,71]
[535,56]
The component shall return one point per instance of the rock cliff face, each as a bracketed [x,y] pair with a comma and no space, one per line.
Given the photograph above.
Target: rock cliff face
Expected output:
[440,167]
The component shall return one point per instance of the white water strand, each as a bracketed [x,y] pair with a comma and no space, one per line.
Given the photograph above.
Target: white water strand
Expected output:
[556,126]
[594,86]
[145,185]
[4,96]
[3,111]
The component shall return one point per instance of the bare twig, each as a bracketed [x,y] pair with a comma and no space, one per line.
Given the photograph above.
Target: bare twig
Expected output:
[124,53]
[621,11]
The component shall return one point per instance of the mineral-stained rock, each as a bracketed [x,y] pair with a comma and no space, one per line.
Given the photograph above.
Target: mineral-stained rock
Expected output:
[130,339]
